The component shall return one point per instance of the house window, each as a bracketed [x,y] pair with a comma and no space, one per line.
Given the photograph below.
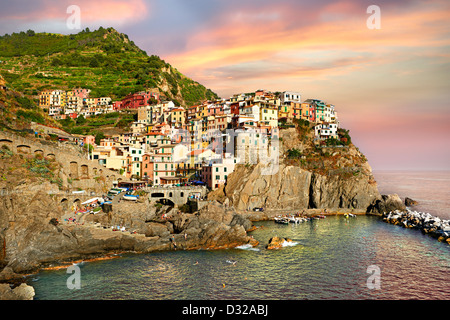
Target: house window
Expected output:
[217,177]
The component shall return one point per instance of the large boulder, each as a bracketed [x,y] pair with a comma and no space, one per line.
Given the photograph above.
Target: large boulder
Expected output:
[277,243]
[385,204]
[410,202]
[22,292]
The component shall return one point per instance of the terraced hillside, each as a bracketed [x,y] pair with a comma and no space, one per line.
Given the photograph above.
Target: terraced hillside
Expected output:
[104,60]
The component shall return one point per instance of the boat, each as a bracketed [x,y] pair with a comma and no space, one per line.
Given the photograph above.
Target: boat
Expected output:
[115,191]
[281,220]
[296,220]
[130,197]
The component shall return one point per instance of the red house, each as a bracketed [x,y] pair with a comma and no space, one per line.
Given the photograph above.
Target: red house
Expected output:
[138,99]
[117,105]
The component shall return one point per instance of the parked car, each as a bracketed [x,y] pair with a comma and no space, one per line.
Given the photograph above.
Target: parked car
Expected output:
[258,209]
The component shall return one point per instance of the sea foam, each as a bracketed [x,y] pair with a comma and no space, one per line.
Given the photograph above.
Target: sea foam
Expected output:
[247,247]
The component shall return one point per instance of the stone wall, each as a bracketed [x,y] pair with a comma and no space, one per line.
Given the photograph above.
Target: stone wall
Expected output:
[78,172]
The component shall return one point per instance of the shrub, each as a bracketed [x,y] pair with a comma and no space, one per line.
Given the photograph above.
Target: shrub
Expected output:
[333,142]
[294,153]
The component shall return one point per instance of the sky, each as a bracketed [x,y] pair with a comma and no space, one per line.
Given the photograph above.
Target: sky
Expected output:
[390,85]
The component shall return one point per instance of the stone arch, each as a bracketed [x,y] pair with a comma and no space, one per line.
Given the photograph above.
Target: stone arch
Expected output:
[6,142]
[84,171]
[77,203]
[73,170]
[94,170]
[166,202]
[157,195]
[38,152]
[23,148]
[51,156]
[65,203]
[170,194]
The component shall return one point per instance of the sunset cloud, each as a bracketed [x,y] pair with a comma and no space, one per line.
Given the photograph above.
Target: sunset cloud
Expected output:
[53,14]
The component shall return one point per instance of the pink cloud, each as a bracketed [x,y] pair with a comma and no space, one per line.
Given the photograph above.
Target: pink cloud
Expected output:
[91,11]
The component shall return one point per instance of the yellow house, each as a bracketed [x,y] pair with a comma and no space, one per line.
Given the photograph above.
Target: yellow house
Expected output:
[178,116]
[269,116]
[45,98]
[285,111]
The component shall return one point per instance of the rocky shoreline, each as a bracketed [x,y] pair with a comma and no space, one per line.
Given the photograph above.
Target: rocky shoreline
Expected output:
[34,241]
[427,223]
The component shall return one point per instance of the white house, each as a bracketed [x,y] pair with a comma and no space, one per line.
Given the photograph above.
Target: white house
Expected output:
[290,96]
[324,131]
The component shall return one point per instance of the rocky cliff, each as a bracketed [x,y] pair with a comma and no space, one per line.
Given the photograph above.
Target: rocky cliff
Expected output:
[322,177]
[33,233]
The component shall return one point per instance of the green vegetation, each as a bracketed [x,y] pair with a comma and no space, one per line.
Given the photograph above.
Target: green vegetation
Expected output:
[43,168]
[294,153]
[344,136]
[104,60]
[93,124]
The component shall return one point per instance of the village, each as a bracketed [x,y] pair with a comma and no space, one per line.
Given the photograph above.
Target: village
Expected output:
[170,145]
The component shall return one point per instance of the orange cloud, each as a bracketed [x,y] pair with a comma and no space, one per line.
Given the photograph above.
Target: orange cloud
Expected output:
[243,41]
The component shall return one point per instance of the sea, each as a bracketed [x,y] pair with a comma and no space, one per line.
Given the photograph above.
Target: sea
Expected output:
[336,258]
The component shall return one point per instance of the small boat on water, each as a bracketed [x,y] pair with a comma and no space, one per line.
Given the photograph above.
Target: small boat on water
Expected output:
[281,220]
[296,220]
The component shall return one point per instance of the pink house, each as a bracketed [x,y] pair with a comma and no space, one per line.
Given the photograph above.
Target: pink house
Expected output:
[89,140]
[82,93]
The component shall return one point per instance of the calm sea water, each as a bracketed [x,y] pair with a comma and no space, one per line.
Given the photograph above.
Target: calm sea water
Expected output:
[330,260]
[430,188]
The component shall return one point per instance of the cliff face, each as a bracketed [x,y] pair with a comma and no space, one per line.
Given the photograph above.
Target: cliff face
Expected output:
[320,177]
[295,188]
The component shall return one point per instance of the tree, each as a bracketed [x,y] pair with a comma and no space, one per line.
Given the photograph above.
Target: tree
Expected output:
[98,137]
[94,63]
[152,101]
[81,120]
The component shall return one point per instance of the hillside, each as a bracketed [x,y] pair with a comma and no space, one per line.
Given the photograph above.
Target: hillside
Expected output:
[104,60]
[17,110]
